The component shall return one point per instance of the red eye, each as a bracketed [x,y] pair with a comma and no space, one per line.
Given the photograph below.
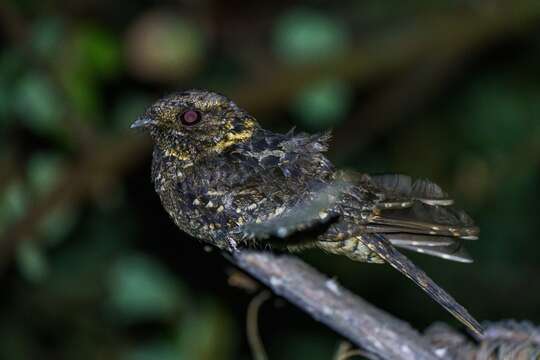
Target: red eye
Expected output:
[190,117]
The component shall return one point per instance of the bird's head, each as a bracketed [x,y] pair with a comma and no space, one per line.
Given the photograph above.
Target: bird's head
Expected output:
[193,124]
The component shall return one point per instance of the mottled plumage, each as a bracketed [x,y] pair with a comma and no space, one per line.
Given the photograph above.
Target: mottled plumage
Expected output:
[225,180]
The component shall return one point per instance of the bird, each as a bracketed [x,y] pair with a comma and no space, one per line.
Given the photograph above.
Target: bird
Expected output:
[229,182]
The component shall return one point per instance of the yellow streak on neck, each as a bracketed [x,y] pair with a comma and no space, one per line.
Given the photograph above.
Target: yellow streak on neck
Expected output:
[180,155]
[235,138]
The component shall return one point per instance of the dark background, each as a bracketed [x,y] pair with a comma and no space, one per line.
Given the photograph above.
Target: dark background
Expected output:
[91,266]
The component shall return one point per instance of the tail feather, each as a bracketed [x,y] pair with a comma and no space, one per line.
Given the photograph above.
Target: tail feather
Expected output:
[454,252]
[382,247]
[445,247]
[404,239]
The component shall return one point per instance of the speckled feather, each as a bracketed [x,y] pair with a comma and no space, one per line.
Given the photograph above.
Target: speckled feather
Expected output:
[225,180]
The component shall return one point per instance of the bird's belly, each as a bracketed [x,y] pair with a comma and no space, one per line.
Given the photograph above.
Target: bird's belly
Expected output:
[211,217]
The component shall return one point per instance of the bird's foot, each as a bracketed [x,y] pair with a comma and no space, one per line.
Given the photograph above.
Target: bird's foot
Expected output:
[232,245]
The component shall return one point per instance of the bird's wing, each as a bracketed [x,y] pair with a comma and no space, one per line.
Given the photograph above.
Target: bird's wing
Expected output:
[382,247]
[419,216]
[307,212]
[295,180]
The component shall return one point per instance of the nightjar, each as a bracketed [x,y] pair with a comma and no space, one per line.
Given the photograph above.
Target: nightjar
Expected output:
[227,181]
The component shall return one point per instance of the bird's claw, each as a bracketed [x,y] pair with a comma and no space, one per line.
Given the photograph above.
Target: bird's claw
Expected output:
[232,246]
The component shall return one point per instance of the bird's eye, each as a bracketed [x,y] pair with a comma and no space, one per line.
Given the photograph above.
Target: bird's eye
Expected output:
[189,117]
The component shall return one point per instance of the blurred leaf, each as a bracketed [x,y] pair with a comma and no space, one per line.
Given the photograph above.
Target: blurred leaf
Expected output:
[206,333]
[31,261]
[37,103]
[58,224]
[15,198]
[47,36]
[11,67]
[304,36]
[140,289]
[84,263]
[93,56]
[164,47]
[323,105]
[44,170]
[157,350]
[13,203]
[96,52]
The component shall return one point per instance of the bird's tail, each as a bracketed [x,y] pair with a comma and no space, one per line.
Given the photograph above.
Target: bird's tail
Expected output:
[375,248]
[384,249]
[413,215]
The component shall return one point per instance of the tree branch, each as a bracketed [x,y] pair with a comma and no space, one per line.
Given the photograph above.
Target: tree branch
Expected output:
[328,302]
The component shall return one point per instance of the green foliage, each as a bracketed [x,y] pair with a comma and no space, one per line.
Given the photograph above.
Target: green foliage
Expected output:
[140,289]
[44,170]
[92,56]
[11,67]
[206,333]
[32,261]
[303,35]
[156,350]
[47,36]
[164,47]
[37,103]
[58,224]
[323,105]
[13,203]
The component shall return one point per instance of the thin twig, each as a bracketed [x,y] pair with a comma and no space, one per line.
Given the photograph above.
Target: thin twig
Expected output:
[346,351]
[351,353]
[252,326]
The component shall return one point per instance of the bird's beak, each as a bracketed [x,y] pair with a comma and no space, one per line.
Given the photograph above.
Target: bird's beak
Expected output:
[142,122]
